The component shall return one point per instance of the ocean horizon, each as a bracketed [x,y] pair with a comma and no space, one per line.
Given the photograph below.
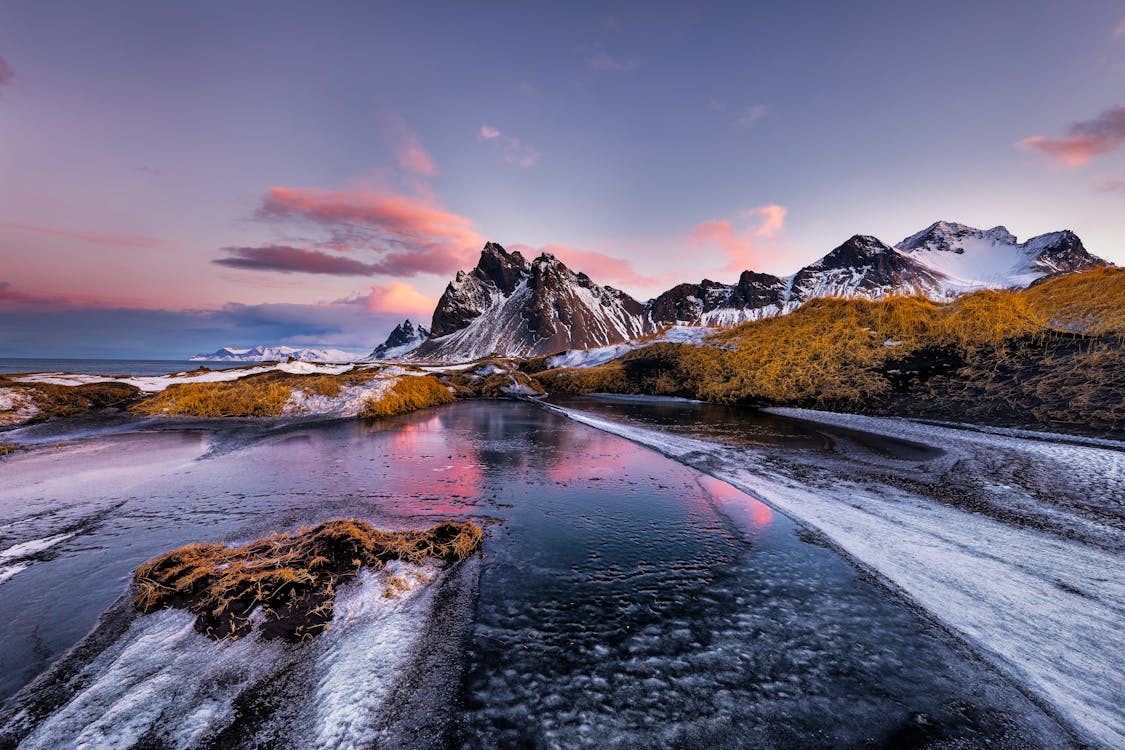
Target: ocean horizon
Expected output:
[105,366]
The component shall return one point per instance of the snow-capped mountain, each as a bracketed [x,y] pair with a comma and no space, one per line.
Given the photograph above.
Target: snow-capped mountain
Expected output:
[404,339]
[274,354]
[511,306]
[942,261]
[966,259]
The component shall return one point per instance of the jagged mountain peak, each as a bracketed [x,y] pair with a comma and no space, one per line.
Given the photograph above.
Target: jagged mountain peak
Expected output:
[405,338]
[951,236]
[510,305]
[857,250]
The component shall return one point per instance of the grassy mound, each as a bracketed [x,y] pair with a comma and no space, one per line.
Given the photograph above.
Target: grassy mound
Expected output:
[291,577]
[67,400]
[263,395]
[408,394]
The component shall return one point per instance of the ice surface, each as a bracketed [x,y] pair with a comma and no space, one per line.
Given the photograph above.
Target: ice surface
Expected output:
[164,683]
[1047,610]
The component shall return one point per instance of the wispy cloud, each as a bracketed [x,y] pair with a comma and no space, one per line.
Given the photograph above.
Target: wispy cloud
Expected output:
[1109,184]
[510,149]
[746,247]
[6,72]
[413,158]
[1084,140]
[102,239]
[288,259]
[410,235]
[1119,30]
[607,63]
[750,116]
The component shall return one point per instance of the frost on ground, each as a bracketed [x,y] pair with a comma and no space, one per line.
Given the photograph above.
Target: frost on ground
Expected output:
[156,383]
[16,407]
[349,402]
[161,683]
[1030,576]
[600,355]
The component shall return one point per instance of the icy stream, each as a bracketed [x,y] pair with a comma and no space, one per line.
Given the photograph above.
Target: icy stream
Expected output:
[623,599]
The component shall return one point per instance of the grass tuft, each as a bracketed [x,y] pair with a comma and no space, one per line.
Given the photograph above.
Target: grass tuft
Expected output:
[291,578]
[409,393]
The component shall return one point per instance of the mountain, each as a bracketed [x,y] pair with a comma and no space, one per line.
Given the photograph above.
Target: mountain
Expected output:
[942,261]
[404,339]
[274,354]
[509,305]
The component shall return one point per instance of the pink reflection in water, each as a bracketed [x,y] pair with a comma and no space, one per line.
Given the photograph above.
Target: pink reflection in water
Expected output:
[747,511]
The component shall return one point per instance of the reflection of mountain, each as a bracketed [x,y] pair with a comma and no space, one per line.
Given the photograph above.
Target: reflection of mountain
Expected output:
[508,305]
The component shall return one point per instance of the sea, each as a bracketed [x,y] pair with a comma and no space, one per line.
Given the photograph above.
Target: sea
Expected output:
[11,365]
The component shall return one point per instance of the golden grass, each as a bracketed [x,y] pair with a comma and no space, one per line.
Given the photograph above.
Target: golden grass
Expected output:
[409,393]
[263,395]
[7,448]
[835,351]
[292,577]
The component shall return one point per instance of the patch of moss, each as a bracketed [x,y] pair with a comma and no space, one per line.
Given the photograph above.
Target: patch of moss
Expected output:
[292,578]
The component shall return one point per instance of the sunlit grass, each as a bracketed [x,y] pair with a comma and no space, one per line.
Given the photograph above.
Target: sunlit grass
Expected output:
[408,394]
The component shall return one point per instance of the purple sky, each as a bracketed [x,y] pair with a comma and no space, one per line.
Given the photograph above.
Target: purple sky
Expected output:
[179,176]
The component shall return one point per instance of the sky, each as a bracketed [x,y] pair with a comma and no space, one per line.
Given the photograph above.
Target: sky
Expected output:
[176,177]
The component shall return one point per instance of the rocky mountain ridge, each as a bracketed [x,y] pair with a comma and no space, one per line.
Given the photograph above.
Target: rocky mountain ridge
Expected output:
[511,306]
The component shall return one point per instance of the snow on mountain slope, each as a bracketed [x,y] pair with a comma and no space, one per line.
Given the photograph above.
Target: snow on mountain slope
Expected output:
[509,306]
[966,259]
[404,339]
[940,262]
[264,353]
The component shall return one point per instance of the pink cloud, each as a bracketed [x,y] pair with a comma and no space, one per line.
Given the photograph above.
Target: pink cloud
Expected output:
[1084,140]
[399,298]
[600,267]
[6,72]
[412,235]
[1119,30]
[129,241]
[414,158]
[747,248]
[773,219]
[510,149]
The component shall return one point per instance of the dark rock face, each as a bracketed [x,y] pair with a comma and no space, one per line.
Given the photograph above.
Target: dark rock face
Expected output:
[862,266]
[758,290]
[507,305]
[497,273]
[1063,252]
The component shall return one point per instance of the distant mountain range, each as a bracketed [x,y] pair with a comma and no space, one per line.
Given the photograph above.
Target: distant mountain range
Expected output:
[511,306]
[274,354]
